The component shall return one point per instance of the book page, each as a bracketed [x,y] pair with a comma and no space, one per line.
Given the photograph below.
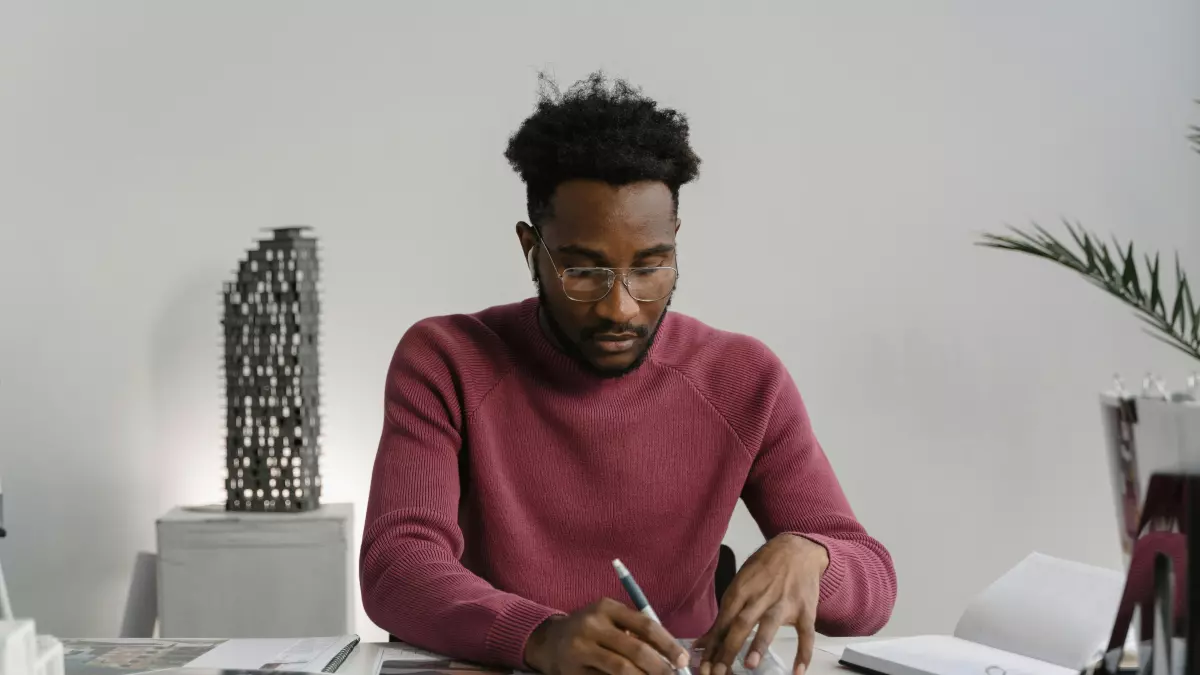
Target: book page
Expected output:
[1046,608]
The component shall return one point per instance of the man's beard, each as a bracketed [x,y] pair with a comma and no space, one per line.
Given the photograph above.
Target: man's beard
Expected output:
[571,347]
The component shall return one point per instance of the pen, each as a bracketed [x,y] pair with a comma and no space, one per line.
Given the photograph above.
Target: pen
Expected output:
[639,600]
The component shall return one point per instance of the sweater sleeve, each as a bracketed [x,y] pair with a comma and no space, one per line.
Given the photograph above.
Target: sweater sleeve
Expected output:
[792,489]
[413,583]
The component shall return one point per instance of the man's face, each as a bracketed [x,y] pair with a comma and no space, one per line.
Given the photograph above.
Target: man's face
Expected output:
[594,224]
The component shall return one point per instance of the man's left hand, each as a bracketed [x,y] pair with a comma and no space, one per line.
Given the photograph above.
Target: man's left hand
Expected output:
[779,585]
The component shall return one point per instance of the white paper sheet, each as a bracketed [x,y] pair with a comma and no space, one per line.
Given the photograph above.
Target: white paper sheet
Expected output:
[309,655]
[833,650]
[408,654]
[402,659]
[1045,608]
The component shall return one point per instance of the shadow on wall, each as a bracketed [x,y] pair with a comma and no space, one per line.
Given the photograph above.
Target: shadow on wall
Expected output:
[187,395]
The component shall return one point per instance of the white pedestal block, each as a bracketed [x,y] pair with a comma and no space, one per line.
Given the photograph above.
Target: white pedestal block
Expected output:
[230,575]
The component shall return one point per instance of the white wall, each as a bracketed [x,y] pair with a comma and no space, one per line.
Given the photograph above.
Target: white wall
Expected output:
[852,152]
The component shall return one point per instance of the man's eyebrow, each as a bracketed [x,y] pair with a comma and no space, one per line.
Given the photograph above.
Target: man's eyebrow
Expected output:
[600,259]
[661,249]
[574,249]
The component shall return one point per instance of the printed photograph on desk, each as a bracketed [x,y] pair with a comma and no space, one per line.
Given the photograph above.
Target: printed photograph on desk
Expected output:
[406,660]
[120,657]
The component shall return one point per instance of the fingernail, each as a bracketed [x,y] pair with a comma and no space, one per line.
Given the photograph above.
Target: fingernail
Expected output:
[682,661]
[752,660]
[801,669]
[705,668]
[720,670]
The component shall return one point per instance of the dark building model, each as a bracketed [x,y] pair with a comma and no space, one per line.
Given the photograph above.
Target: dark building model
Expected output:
[272,404]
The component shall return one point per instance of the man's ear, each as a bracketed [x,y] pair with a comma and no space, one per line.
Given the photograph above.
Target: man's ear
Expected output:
[528,239]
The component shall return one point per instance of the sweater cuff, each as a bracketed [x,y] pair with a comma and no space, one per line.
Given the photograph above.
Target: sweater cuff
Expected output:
[835,573]
[511,630]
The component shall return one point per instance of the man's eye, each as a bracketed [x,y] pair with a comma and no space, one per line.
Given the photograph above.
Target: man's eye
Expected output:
[587,272]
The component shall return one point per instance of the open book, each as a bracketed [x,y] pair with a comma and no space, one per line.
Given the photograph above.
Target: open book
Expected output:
[1045,616]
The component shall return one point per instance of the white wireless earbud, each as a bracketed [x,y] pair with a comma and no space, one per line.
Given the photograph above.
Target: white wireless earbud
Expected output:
[532,264]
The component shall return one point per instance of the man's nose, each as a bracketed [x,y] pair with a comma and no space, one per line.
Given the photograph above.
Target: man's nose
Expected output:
[618,306]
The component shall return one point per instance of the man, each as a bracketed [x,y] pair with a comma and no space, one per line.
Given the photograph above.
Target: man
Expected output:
[526,446]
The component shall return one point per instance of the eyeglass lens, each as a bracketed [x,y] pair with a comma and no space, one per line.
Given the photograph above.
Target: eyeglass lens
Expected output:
[591,284]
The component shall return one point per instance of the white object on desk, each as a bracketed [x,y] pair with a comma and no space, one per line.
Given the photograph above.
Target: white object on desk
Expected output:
[1045,616]
[18,647]
[24,652]
[256,575]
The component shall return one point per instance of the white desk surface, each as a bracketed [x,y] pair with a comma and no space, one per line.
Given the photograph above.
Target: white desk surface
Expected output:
[363,659]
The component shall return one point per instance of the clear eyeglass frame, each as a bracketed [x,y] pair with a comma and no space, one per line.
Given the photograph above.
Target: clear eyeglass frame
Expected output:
[663,275]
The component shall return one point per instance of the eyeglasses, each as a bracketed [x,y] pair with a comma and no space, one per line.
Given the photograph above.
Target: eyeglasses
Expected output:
[593,284]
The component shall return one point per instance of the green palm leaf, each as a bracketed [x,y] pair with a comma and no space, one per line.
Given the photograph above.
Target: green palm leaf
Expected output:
[1176,323]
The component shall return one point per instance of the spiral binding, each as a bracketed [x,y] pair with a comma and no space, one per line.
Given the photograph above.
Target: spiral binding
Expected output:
[341,657]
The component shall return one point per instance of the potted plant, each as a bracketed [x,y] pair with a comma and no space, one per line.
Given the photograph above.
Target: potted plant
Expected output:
[1173,320]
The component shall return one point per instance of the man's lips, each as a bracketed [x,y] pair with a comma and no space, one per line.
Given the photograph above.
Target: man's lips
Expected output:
[615,343]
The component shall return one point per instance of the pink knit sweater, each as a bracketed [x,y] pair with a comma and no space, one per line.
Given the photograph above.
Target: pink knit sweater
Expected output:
[508,478]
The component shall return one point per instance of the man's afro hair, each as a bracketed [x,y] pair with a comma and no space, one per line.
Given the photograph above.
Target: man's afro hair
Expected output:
[599,131]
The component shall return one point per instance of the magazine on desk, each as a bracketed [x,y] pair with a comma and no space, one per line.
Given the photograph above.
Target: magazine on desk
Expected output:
[401,659]
[125,656]
[1046,616]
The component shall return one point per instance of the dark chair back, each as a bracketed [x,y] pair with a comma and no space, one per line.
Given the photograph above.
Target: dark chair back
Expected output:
[726,570]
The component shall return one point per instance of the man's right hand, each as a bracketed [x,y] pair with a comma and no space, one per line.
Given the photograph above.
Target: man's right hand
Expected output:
[605,636]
